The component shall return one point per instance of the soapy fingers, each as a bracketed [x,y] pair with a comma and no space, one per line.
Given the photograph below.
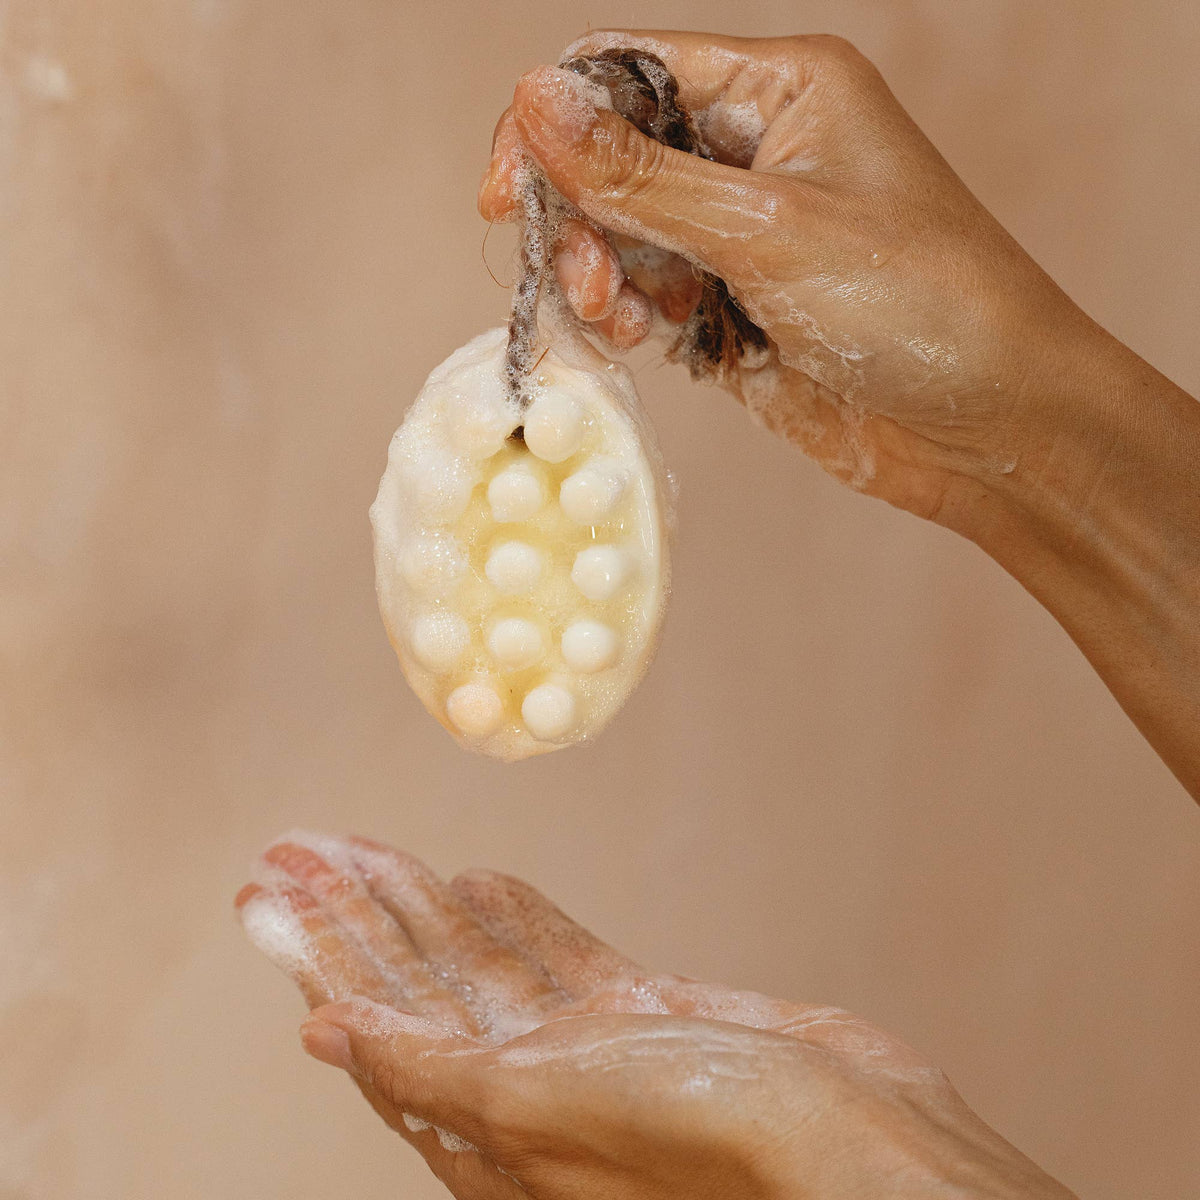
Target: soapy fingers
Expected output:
[625,181]
[590,1105]
[520,917]
[349,917]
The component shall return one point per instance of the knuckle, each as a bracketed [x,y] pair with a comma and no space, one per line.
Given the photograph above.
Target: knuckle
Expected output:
[472,877]
[830,45]
[630,163]
[778,202]
[838,54]
[386,1081]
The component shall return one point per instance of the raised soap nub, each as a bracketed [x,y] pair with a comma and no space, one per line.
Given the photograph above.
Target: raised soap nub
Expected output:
[515,642]
[589,646]
[516,493]
[439,640]
[589,496]
[549,711]
[433,562]
[475,709]
[479,424]
[554,426]
[441,486]
[513,567]
[600,571]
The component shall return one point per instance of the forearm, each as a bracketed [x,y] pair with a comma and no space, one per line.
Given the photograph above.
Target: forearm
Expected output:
[1102,525]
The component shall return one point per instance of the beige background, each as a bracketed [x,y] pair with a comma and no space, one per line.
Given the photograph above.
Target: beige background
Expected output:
[865,768]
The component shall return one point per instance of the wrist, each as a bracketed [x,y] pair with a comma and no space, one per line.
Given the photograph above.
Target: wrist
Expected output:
[1100,521]
[1105,477]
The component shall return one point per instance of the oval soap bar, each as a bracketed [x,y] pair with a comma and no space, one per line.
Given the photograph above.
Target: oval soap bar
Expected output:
[521,554]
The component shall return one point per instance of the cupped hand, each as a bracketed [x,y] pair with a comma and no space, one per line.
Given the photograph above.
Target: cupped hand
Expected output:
[914,344]
[524,1057]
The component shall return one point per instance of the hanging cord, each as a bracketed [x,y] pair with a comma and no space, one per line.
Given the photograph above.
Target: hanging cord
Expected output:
[718,334]
[533,259]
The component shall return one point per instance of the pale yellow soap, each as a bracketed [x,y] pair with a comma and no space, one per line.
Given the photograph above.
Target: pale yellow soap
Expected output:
[521,555]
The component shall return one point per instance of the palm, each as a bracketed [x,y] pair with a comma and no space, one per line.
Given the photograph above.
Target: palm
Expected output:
[597,1076]
[486,956]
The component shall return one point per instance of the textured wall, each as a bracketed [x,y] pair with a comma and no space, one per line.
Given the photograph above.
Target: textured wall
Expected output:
[866,768]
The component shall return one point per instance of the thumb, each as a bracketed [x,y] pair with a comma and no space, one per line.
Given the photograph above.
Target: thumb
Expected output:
[407,1062]
[632,184]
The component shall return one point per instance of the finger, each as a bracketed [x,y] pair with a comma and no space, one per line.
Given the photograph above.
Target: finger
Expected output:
[731,86]
[334,881]
[290,928]
[588,271]
[629,183]
[670,282]
[520,917]
[498,188]
[505,993]
[630,321]
[412,1067]
[704,64]
[709,68]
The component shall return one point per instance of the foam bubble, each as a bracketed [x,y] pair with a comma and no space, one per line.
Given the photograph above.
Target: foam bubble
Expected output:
[575,99]
[452,1142]
[733,130]
[272,926]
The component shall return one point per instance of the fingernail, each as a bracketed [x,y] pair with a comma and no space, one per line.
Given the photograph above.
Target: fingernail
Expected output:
[327,1043]
[561,108]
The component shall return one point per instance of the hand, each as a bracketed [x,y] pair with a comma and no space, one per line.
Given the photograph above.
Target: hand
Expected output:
[916,350]
[524,1057]
[912,335]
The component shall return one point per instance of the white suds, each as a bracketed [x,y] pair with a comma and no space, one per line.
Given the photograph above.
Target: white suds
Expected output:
[452,1142]
[734,131]
[277,931]
[449,1141]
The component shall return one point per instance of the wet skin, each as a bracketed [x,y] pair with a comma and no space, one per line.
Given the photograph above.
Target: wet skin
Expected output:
[480,1008]
[917,351]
